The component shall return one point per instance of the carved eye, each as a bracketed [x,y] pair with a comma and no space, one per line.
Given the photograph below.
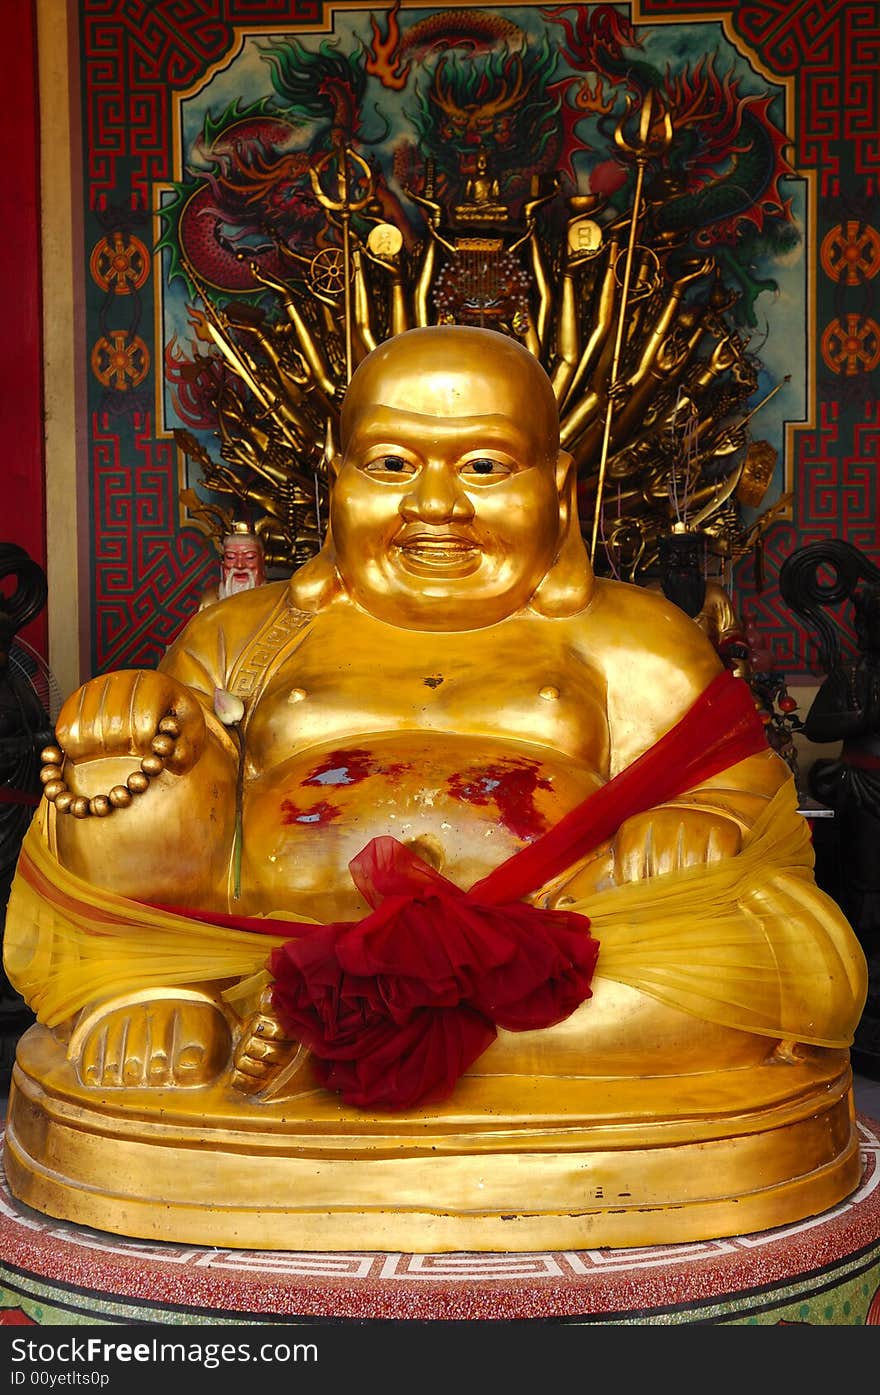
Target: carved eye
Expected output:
[389,466]
[486,468]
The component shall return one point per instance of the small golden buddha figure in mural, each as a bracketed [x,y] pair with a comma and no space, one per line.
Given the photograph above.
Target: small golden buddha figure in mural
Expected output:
[443,896]
[482,195]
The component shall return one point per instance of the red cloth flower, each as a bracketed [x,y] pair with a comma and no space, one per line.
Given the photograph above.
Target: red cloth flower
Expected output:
[396,1006]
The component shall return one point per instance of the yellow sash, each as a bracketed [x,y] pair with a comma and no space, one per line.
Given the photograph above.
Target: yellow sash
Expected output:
[749,942]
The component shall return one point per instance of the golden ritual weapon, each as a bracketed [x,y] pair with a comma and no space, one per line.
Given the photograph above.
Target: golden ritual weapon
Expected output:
[651,141]
[343,205]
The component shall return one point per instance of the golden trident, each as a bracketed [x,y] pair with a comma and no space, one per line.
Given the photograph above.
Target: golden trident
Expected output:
[344,205]
[653,138]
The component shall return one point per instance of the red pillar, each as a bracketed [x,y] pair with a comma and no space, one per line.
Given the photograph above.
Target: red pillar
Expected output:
[22,475]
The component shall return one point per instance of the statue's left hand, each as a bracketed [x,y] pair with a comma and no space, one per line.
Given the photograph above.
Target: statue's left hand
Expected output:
[669,839]
[647,845]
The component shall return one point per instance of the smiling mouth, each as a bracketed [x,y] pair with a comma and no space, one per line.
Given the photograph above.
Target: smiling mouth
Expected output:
[427,555]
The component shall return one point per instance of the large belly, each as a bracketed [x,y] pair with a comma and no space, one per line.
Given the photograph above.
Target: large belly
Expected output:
[464,804]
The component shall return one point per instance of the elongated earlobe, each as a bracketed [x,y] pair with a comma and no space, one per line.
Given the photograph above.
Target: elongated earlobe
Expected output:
[317,581]
[568,585]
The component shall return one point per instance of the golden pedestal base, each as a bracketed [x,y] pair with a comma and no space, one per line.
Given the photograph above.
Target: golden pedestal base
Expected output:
[513,1163]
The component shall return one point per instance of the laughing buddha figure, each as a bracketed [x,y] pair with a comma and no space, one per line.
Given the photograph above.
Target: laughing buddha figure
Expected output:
[441,897]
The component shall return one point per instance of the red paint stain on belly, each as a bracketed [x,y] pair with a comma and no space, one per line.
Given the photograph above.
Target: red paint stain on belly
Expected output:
[322,812]
[347,767]
[510,786]
[337,770]
[350,766]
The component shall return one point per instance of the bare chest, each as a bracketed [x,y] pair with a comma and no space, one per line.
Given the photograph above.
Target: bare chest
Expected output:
[507,683]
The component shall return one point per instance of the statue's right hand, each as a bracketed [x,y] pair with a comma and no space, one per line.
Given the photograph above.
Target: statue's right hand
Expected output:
[119,713]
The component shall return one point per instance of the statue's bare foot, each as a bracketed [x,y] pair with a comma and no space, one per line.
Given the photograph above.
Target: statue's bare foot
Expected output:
[263,1051]
[152,1039]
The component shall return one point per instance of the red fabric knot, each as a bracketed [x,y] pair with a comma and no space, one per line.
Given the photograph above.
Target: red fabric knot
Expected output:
[396,1006]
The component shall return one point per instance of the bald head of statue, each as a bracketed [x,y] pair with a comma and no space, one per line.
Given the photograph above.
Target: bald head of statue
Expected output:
[452,506]
[456,372]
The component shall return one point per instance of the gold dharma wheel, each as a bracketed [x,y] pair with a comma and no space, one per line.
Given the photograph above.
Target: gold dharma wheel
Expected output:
[327,271]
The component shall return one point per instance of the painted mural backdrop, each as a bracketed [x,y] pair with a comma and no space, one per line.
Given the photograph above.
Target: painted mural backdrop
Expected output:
[504,167]
[200,120]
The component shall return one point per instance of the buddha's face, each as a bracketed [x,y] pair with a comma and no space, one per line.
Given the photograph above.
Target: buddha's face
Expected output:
[446,508]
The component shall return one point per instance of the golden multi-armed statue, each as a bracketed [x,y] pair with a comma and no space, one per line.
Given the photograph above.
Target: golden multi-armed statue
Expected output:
[630,327]
[443,896]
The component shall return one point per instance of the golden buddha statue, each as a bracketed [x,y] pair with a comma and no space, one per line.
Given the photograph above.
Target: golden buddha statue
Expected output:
[455,900]
[482,195]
